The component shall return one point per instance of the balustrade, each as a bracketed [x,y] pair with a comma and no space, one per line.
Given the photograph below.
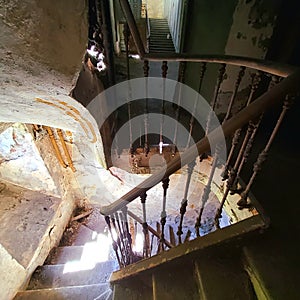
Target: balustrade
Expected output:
[243,117]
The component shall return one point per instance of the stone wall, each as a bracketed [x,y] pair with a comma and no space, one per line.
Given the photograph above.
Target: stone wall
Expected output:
[51,32]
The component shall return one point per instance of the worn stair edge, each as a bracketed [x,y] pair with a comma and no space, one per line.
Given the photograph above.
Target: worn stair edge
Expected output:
[220,236]
[81,292]
[52,276]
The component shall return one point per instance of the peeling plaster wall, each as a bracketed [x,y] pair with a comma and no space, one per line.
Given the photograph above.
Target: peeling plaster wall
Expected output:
[250,36]
[42,46]
[252,27]
[52,32]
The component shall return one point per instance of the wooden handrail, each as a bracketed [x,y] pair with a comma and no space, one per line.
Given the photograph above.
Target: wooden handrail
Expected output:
[273,68]
[291,84]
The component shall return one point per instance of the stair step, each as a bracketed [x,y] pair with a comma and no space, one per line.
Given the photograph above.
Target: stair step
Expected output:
[132,290]
[85,292]
[221,277]
[53,276]
[175,282]
[157,22]
[95,221]
[161,46]
[162,41]
[158,51]
[80,235]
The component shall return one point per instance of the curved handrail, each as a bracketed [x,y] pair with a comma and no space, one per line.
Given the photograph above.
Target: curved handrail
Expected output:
[274,68]
[291,84]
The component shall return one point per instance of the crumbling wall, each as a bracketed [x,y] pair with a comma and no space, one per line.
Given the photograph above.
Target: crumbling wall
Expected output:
[252,27]
[53,32]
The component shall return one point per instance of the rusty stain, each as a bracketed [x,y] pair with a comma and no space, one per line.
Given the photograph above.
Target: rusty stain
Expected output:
[72,115]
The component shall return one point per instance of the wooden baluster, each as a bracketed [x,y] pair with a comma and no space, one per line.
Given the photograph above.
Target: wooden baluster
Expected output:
[233,96]
[126,33]
[232,180]
[127,235]
[114,243]
[207,190]
[163,216]
[243,202]
[181,74]
[184,201]
[256,79]
[192,120]
[220,79]
[172,235]
[164,69]
[145,226]
[146,120]
[121,236]
[246,146]
[232,177]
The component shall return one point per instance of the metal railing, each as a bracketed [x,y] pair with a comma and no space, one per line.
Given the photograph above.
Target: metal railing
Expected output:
[272,84]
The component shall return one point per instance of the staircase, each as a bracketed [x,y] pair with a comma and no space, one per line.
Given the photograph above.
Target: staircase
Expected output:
[76,269]
[200,277]
[160,40]
[190,276]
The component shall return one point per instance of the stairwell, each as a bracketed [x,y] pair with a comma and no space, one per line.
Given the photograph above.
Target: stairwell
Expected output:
[160,40]
[82,267]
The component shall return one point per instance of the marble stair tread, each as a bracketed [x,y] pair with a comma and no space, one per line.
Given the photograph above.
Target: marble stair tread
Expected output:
[53,276]
[100,291]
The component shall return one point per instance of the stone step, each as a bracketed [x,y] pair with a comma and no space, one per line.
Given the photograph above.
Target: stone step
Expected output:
[78,235]
[161,50]
[100,291]
[162,41]
[54,276]
[161,46]
[95,221]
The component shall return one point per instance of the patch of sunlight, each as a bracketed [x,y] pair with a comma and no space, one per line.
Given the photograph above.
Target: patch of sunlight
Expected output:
[93,252]
[139,243]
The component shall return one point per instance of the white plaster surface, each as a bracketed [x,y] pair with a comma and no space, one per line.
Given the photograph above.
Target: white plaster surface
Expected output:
[12,275]
[20,161]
